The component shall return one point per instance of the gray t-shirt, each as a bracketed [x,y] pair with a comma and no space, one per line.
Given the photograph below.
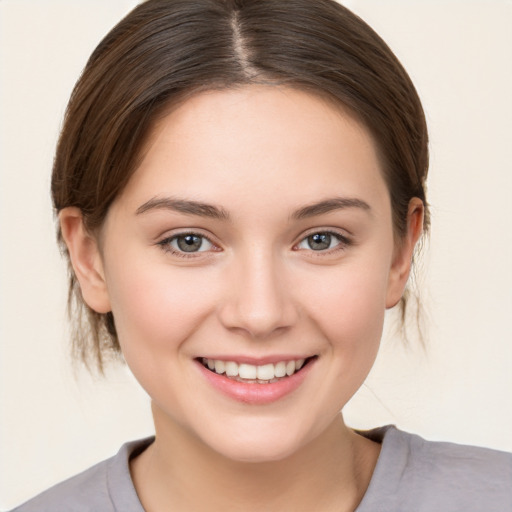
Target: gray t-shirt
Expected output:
[412,475]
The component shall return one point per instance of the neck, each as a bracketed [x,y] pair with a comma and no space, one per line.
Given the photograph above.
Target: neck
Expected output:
[179,472]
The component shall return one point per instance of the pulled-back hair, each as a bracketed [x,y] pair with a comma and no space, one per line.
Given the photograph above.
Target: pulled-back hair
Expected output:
[167,50]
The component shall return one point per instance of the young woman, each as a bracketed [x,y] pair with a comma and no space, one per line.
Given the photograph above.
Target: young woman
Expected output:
[240,187]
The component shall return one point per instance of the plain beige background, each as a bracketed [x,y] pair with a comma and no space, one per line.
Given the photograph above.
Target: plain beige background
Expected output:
[458,53]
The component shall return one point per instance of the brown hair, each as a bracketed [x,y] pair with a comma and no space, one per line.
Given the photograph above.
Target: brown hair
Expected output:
[165,50]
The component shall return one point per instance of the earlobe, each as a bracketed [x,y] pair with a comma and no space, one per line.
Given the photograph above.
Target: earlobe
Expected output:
[402,260]
[85,258]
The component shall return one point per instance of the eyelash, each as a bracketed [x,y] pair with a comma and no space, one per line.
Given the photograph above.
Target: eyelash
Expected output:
[343,243]
[165,244]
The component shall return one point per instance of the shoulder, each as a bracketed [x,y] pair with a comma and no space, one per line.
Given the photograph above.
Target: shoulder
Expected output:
[107,486]
[423,475]
[458,468]
[459,459]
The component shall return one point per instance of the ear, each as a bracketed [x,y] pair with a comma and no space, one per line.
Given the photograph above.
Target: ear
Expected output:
[402,259]
[86,259]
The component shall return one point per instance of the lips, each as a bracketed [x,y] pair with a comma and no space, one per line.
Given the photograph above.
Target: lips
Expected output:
[255,383]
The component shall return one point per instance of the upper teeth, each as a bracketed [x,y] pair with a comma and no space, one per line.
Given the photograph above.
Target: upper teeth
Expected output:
[252,372]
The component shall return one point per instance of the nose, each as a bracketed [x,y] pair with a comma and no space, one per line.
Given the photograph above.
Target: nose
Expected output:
[258,300]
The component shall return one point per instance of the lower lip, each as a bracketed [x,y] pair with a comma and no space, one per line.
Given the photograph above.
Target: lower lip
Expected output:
[254,393]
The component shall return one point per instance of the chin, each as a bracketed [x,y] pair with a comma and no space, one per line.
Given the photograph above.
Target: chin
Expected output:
[267,443]
[258,452]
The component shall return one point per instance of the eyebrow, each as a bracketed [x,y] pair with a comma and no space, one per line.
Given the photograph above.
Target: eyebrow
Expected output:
[184,206]
[215,212]
[329,205]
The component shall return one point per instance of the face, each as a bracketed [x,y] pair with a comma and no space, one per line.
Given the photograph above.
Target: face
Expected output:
[248,264]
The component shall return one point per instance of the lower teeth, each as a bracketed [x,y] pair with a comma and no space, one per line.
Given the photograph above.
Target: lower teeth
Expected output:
[254,381]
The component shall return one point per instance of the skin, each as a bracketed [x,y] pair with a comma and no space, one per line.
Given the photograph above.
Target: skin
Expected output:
[261,156]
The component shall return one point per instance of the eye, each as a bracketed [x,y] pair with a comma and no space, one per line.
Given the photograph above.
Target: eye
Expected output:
[322,241]
[187,243]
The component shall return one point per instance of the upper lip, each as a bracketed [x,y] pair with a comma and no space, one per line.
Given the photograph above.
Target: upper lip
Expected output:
[257,361]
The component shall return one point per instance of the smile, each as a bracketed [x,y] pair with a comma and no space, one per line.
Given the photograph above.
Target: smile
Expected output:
[249,373]
[256,384]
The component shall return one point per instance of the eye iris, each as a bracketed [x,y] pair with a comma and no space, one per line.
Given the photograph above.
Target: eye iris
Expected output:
[189,243]
[319,241]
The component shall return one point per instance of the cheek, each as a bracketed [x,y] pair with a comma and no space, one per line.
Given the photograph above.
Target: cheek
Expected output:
[349,308]
[157,307]
[347,313]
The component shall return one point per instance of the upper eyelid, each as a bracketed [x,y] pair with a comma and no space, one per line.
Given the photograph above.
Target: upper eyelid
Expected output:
[166,239]
[344,242]
[343,234]
[170,234]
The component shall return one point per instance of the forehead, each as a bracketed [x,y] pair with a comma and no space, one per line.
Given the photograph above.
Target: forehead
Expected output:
[268,141]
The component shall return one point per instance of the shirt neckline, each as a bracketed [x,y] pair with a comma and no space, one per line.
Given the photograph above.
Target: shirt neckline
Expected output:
[380,494]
